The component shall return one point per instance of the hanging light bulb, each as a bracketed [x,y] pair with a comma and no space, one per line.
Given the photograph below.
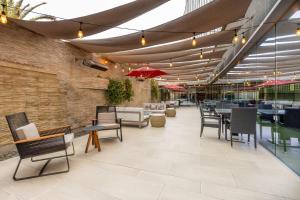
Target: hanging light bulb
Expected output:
[201,54]
[129,68]
[298,30]
[143,40]
[236,37]
[244,39]
[80,32]
[194,42]
[171,64]
[116,66]
[3,18]
[123,70]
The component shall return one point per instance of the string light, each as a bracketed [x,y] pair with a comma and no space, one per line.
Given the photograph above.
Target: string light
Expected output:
[123,70]
[80,32]
[171,64]
[236,37]
[116,66]
[244,39]
[3,18]
[298,30]
[143,40]
[201,54]
[194,42]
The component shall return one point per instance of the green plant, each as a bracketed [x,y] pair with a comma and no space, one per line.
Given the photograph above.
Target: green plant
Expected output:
[115,92]
[154,90]
[15,10]
[128,91]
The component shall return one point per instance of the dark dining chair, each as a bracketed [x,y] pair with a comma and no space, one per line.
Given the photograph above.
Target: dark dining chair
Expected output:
[243,121]
[106,116]
[210,121]
[44,142]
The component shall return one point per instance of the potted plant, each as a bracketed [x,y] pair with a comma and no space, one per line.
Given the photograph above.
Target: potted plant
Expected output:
[115,92]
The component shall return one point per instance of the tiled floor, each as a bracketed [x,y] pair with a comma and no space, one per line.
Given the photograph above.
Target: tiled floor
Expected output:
[160,163]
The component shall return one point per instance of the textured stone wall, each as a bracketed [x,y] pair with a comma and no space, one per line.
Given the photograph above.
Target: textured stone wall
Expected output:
[39,75]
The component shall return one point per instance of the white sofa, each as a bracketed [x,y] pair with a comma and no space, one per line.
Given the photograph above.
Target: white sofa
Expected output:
[133,116]
[173,104]
[155,108]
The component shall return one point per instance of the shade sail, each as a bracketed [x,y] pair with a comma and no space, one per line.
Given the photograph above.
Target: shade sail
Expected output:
[151,57]
[219,38]
[213,55]
[67,29]
[208,17]
[276,82]
[146,72]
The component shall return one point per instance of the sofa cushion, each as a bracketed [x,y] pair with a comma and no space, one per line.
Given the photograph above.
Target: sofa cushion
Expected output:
[153,107]
[110,126]
[160,107]
[27,131]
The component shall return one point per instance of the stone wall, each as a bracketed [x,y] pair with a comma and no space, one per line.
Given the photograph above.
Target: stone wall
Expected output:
[39,75]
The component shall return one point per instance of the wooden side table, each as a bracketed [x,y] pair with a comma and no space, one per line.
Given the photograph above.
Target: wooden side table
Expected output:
[93,136]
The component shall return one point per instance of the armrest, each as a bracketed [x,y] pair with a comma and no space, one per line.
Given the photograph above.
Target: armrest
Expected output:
[39,138]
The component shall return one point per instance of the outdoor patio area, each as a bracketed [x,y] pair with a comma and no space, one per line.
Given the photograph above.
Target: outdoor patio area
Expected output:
[159,163]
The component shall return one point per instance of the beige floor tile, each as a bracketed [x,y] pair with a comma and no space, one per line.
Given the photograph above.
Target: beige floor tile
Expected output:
[158,163]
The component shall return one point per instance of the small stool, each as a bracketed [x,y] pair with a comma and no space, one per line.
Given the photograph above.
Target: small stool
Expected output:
[157,120]
[171,112]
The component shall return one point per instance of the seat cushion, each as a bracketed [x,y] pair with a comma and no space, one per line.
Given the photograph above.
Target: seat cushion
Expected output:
[27,131]
[69,138]
[106,118]
[110,126]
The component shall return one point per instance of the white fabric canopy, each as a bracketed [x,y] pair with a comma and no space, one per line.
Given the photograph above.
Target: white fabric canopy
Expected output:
[98,22]
[208,17]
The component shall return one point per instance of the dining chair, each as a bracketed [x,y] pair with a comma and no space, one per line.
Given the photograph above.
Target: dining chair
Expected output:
[209,121]
[243,121]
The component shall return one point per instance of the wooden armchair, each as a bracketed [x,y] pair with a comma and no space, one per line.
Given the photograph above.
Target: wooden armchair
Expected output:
[44,142]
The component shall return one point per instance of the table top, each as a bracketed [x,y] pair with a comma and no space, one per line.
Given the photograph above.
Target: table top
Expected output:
[224,111]
[93,128]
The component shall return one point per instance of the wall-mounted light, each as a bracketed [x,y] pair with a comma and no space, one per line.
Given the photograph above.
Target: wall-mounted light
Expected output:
[298,30]
[236,37]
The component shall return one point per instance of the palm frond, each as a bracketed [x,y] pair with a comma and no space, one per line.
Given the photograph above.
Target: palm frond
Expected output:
[17,8]
[27,11]
[43,17]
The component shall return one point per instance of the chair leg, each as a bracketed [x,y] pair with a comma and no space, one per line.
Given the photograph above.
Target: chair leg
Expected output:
[121,135]
[219,133]
[117,130]
[201,131]
[42,169]
[248,137]
[231,139]
[255,141]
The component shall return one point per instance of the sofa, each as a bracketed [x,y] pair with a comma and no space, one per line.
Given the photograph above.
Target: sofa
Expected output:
[133,116]
[155,108]
[172,104]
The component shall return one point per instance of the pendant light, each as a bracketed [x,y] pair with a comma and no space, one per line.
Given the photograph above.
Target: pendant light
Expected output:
[201,54]
[80,32]
[194,42]
[298,30]
[143,40]
[3,17]
[244,39]
[236,37]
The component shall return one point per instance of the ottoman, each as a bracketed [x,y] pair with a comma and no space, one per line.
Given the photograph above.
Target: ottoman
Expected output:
[171,112]
[157,120]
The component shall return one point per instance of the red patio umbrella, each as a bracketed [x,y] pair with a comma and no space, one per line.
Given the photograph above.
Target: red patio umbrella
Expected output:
[277,82]
[146,72]
[175,88]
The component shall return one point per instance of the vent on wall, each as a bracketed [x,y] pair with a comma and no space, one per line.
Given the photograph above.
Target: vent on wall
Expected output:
[92,64]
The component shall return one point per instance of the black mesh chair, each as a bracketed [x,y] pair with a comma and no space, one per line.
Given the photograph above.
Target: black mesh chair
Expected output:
[49,141]
[210,121]
[106,117]
[243,121]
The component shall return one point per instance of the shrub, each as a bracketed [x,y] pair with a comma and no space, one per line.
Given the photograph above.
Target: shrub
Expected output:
[128,91]
[115,92]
